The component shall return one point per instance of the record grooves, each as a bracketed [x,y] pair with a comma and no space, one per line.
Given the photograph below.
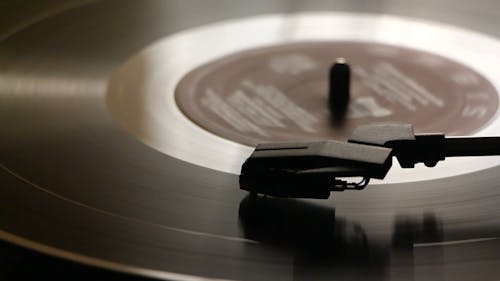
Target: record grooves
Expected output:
[90,187]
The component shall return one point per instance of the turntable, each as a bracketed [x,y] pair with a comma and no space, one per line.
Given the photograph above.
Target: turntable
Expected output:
[125,125]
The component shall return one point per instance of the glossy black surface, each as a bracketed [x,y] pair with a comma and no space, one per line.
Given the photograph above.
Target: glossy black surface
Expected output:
[72,180]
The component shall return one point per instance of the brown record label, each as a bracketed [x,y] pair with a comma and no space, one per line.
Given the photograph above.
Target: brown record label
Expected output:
[280,93]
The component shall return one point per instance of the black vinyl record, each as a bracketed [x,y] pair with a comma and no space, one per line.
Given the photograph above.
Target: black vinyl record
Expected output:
[85,194]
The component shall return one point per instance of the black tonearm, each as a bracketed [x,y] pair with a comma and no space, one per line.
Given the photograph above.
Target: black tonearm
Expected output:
[314,169]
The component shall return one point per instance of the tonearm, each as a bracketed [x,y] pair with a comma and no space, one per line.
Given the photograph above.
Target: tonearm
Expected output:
[314,169]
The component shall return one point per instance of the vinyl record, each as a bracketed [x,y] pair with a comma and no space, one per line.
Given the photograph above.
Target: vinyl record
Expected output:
[110,161]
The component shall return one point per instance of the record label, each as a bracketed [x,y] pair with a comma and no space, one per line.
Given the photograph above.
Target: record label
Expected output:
[280,93]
